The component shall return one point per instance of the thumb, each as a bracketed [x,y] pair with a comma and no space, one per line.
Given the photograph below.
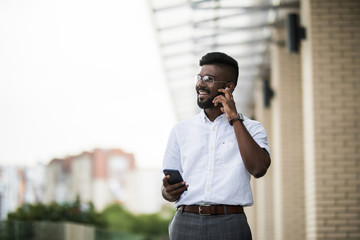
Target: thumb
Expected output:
[165,180]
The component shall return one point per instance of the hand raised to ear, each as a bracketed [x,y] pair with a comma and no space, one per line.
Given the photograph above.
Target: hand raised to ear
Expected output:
[227,101]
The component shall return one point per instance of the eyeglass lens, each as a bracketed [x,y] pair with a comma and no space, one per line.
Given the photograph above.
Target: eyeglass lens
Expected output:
[206,78]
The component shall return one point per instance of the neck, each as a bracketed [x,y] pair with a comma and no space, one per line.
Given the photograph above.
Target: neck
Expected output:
[213,113]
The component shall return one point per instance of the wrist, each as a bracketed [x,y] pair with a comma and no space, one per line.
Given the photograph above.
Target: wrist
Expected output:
[238,117]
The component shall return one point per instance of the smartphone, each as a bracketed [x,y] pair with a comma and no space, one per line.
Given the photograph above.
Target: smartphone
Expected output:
[223,94]
[175,176]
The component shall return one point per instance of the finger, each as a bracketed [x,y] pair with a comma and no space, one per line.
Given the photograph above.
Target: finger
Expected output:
[180,189]
[172,187]
[219,99]
[222,90]
[222,100]
[177,192]
[165,180]
[228,93]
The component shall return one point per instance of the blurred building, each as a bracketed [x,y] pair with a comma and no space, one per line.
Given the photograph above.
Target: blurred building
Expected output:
[19,185]
[102,177]
[11,191]
[300,76]
[35,184]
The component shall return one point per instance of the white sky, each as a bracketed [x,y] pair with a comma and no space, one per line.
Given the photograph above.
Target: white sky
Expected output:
[77,75]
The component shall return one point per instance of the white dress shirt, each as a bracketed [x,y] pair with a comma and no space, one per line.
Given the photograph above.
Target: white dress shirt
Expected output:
[207,155]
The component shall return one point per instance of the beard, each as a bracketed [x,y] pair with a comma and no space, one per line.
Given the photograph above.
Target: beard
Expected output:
[207,104]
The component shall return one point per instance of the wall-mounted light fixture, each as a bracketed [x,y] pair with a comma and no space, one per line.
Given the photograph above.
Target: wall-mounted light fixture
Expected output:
[294,32]
[268,93]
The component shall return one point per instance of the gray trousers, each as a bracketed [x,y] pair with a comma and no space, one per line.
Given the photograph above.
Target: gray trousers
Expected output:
[190,226]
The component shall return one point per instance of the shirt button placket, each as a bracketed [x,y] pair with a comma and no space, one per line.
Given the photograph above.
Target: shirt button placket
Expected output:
[209,178]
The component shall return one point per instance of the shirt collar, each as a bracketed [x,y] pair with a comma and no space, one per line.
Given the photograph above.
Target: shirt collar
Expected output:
[205,119]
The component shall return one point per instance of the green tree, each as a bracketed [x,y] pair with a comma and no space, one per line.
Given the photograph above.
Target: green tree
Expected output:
[151,226]
[72,212]
[118,218]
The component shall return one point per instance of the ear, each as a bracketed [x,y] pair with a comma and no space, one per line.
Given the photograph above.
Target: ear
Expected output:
[231,85]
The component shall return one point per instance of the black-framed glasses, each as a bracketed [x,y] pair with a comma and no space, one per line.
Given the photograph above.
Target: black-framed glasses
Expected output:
[207,79]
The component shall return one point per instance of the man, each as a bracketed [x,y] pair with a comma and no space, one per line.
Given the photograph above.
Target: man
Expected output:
[216,152]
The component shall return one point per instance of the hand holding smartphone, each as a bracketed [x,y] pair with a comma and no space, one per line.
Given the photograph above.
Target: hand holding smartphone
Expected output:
[175,176]
[173,186]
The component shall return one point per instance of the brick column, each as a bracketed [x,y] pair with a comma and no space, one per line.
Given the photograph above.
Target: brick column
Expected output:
[287,142]
[331,97]
[263,188]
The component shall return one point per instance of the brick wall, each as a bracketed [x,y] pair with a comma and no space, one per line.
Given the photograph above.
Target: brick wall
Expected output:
[331,84]
[287,138]
[263,187]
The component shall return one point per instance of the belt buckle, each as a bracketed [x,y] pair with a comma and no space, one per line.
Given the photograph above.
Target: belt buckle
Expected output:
[203,214]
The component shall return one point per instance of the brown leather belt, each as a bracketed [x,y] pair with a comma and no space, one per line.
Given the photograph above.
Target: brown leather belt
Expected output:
[212,209]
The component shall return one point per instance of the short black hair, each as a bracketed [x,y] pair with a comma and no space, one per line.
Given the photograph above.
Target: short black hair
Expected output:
[219,58]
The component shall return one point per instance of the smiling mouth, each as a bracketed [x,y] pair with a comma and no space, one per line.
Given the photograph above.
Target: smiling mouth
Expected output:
[202,93]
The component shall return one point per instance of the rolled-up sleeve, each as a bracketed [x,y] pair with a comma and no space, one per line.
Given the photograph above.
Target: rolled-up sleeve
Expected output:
[172,153]
[258,133]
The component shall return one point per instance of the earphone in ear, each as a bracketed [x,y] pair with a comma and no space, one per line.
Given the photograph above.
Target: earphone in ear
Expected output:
[228,85]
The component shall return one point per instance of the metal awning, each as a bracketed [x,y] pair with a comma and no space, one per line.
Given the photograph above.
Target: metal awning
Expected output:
[186,30]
